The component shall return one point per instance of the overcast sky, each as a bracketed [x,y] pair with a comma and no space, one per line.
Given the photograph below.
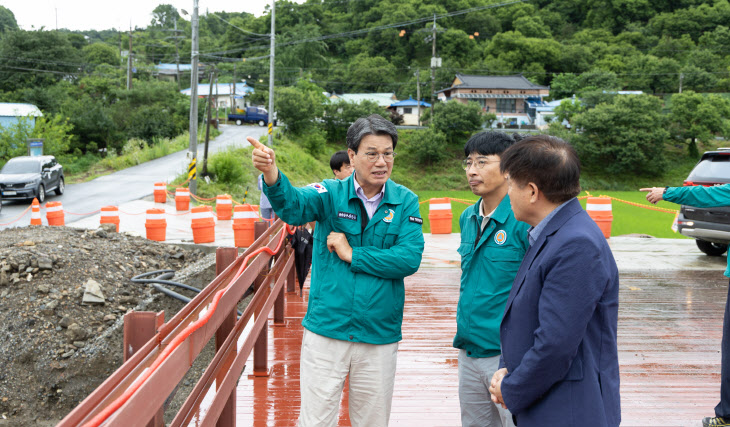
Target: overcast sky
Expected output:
[107,14]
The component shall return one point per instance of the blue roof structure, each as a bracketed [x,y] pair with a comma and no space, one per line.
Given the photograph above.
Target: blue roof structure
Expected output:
[173,67]
[222,89]
[410,102]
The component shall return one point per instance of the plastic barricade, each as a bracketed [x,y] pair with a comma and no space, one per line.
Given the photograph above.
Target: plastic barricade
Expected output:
[203,224]
[599,208]
[182,199]
[244,217]
[109,215]
[223,207]
[156,225]
[160,192]
[439,215]
[54,214]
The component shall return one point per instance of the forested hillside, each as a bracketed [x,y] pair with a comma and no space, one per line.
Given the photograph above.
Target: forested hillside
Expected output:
[590,48]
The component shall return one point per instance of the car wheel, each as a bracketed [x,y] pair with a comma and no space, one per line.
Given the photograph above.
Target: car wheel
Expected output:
[710,248]
[262,123]
[1,204]
[41,194]
[61,187]
[238,123]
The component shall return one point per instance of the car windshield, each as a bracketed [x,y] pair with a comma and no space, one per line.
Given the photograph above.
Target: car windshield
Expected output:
[21,166]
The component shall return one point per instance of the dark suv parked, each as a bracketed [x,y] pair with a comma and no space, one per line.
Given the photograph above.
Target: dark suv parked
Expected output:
[709,226]
[28,177]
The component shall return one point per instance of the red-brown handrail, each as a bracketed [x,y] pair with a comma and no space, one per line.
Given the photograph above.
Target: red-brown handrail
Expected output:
[146,397]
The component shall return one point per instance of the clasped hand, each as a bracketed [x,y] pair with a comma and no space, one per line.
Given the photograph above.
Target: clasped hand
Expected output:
[338,242]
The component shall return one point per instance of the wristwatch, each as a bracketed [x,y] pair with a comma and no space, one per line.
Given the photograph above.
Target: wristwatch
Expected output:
[665,190]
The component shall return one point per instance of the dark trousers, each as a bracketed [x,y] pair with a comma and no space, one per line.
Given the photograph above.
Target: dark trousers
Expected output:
[723,408]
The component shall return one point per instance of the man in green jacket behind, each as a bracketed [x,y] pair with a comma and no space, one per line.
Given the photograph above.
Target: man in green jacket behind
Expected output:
[368,238]
[707,197]
[493,244]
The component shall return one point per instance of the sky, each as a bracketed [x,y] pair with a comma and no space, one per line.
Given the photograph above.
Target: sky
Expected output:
[107,14]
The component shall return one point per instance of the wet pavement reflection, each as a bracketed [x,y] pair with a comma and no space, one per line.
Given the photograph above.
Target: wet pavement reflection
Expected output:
[672,300]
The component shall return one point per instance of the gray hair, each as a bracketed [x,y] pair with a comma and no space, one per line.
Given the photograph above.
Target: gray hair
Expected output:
[373,124]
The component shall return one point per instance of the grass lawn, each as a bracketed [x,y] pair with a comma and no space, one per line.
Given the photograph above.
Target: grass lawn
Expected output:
[627,219]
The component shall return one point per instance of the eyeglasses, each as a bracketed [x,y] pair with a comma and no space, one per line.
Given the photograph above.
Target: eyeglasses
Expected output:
[373,156]
[480,163]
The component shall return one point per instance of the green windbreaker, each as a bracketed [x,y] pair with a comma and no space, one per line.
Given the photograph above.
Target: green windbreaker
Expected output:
[489,264]
[701,197]
[362,301]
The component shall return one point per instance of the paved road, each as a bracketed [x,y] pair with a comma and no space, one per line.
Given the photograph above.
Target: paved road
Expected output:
[132,183]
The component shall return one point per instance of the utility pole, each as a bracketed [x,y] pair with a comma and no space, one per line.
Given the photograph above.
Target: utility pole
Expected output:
[177,58]
[129,61]
[193,148]
[681,77]
[271,78]
[233,100]
[207,124]
[418,95]
[433,63]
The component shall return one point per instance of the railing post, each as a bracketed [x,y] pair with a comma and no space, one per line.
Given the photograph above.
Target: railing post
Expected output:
[224,257]
[291,278]
[260,349]
[140,327]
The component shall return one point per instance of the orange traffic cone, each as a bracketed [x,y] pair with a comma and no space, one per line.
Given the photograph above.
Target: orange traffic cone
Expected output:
[35,213]
[54,213]
[203,224]
[110,215]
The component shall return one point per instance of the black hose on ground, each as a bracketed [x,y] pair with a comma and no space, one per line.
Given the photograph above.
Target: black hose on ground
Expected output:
[168,274]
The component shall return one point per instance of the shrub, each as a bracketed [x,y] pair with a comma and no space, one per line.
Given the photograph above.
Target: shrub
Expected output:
[227,168]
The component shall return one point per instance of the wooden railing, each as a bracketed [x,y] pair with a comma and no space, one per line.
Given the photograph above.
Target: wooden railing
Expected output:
[147,337]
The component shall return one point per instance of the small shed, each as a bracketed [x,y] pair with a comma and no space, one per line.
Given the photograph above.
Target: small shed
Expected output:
[10,113]
[411,110]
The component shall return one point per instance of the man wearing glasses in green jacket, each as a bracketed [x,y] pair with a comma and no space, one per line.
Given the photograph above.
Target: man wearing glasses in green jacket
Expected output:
[493,244]
[367,240]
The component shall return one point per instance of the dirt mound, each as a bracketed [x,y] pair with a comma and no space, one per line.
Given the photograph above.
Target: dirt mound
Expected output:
[63,293]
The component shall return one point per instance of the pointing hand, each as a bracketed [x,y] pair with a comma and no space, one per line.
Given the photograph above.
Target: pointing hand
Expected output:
[264,159]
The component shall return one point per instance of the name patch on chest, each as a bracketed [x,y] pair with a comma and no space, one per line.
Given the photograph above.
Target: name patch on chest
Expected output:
[415,219]
[347,215]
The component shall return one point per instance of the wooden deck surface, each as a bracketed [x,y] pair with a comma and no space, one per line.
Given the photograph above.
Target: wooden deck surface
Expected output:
[670,326]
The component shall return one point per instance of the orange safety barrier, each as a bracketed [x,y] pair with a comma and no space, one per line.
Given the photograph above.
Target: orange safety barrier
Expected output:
[109,215]
[223,206]
[160,192]
[35,214]
[244,217]
[156,225]
[439,214]
[203,224]
[54,213]
[599,208]
[182,199]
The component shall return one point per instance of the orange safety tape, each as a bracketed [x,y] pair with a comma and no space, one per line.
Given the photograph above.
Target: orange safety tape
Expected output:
[88,213]
[22,214]
[674,211]
[128,213]
[121,400]
[200,198]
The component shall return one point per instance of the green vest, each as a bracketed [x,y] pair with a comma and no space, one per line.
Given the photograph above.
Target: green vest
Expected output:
[489,264]
[360,301]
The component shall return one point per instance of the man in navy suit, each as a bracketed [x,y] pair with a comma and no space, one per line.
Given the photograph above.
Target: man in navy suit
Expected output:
[558,333]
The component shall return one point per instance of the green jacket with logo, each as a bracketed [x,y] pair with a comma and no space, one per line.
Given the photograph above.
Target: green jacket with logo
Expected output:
[701,197]
[489,264]
[360,301]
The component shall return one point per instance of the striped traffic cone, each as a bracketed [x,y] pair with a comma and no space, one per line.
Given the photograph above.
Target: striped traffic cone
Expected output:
[35,213]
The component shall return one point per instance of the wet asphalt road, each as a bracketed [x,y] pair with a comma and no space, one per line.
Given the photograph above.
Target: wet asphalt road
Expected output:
[132,183]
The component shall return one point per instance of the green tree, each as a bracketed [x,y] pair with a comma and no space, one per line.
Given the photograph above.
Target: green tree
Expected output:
[564,85]
[7,20]
[567,109]
[457,121]
[338,116]
[36,59]
[164,16]
[696,117]
[298,106]
[428,148]
[101,53]
[627,136]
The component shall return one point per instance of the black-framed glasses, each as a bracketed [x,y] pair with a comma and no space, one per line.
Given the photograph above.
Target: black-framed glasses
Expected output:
[479,163]
[373,157]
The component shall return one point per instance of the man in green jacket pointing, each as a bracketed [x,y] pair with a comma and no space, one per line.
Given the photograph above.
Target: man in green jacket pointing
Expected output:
[706,197]
[493,244]
[368,238]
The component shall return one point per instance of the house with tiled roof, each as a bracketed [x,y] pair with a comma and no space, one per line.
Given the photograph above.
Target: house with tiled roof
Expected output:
[411,110]
[512,98]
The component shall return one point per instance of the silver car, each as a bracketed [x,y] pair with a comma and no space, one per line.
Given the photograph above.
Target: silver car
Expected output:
[28,177]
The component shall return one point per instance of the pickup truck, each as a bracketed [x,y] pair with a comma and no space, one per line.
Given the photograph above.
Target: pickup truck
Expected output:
[250,115]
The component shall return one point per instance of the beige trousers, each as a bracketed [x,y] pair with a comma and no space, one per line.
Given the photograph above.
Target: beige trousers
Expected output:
[325,364]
